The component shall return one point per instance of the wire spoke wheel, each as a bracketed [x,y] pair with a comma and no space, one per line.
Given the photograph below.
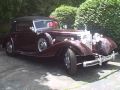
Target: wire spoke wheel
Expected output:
[67,60]
[42,44]
[70,62]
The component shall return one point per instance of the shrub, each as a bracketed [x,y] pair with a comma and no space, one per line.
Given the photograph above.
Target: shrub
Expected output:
[65,14]
[102,16]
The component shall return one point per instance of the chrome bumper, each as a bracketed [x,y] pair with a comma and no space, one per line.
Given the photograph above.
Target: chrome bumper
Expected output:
[100,60]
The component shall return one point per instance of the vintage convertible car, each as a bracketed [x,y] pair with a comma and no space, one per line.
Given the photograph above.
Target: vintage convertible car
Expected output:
[40,37]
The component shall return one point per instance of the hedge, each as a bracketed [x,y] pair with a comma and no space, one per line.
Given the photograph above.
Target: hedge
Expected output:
[65,14]
[100,16]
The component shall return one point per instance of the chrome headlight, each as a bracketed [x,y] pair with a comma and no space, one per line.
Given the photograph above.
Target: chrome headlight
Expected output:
[97,37]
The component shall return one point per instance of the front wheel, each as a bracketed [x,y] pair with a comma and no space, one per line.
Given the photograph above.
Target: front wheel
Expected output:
[70,62]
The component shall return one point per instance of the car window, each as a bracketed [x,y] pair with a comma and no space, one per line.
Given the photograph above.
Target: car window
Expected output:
[23,26]
[41,23]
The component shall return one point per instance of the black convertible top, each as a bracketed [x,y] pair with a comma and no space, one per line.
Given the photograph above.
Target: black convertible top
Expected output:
[30,18]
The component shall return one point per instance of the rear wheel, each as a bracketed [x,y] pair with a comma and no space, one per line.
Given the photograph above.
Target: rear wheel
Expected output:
[70,62]
[9,48]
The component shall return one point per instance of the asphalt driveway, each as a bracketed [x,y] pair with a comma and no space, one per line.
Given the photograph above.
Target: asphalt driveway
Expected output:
[27,73]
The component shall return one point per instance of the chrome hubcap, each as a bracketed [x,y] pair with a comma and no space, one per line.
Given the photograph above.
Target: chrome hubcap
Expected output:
[42,44]
[9,47]
[67,60]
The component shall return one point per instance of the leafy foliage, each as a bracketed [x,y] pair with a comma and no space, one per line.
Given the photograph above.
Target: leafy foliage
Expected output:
[101,14]
[10,9]
[74,3]
[15,8]
[65,14]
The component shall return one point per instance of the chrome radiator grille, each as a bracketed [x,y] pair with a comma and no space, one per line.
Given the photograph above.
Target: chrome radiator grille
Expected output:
[86,38]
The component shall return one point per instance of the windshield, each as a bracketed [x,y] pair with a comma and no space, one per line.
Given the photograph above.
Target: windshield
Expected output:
[44,24]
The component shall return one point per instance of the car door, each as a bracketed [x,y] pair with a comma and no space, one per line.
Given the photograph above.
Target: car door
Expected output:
[25,38]
[30,38]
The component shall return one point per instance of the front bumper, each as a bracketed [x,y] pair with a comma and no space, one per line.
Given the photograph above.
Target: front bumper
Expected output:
[100,60]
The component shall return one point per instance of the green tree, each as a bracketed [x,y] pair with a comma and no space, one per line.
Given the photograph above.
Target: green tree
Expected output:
[15,8]
[74,3]
[10,9]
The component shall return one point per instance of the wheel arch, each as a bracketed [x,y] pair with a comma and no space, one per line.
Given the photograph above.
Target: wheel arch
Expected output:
[63,49]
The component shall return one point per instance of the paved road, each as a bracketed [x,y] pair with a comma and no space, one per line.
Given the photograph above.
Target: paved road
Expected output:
[26,73]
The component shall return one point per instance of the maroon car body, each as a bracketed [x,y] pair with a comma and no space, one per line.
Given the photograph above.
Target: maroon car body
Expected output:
[40,37]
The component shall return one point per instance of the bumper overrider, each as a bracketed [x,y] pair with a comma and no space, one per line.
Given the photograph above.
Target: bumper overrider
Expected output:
[99,60]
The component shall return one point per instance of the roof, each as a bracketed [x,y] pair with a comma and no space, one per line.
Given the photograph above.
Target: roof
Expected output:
[30,18]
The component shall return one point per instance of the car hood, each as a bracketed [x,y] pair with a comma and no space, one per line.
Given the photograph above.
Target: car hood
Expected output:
[68,32]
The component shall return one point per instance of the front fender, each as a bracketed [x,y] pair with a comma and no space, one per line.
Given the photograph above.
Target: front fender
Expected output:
[76,46]
[105,46]
[80,48]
